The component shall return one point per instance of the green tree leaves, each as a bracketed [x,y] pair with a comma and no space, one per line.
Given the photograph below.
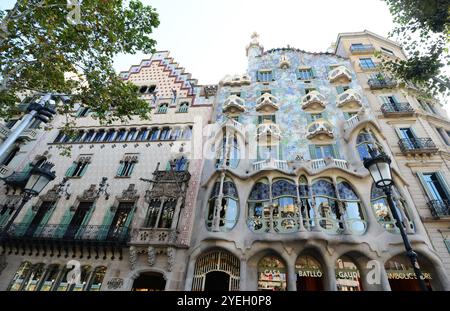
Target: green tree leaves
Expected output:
[423,29]
[41,50]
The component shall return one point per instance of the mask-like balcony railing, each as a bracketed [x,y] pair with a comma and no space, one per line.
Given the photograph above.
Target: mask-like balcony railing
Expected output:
[236,80]
[4,171]
[321,129]
[382,83]
[234,104]
[4,132]
[28,134]
[270,164]
[340,73]
[267,102]
[268,129]
[417,145]
[439,208]
[362,49]
[64,232]
[320,164]
[349,99]
[397,110]
[153,236]
[313,100]
[233,124]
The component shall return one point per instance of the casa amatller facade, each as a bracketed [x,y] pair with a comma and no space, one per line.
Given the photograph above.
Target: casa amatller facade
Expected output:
[256,183]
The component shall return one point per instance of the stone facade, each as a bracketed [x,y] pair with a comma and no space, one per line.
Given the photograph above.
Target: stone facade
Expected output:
[124,170]
[254,183]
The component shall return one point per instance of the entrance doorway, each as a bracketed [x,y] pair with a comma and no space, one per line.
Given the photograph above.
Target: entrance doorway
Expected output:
[217,281]
[309,274]
[216,270]
[149,281]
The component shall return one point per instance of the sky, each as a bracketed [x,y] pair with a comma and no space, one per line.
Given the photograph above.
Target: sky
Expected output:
[208,37]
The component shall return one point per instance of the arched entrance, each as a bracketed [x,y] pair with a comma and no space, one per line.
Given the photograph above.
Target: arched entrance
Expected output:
[217,281]
[149,281]
[401,275]
[309,274]
[348,277]
[272,274]
[217,270]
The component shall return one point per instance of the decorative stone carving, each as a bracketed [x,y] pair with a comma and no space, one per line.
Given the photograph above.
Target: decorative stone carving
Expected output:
[267,103]
[51,195]
[170,258]
[115,283]
[89,194]
[130,194]
[151,256]
[340,73]
[133,257]
[233,104]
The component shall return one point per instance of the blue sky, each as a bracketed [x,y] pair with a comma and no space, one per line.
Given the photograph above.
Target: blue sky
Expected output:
[208,37]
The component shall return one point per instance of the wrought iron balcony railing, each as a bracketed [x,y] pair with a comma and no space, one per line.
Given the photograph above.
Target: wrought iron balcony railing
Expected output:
[439,208]
[397,109]
[417,145]
[64,232]
[384,83]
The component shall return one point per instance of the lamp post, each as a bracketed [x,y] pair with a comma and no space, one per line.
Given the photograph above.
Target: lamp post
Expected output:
[39,178]
[379,166]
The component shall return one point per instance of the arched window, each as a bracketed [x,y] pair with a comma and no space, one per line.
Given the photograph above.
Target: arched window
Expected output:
[187,133]
[21,276]
[383,212]
[162,108]
[365,140]
[309,274]
[305,203]
[325,199]
[402,277]
[97,278]
[223,207]
[348,277]
[154,134]
[228,154]
[272,274]
[285,212]
[353,215]
[259,207]
[37,272]
[10,156]
[50,277]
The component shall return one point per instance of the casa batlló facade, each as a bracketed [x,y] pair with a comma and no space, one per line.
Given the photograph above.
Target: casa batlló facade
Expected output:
[256,183]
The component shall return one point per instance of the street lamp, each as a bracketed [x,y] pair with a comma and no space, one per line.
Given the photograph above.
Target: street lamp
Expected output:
[39,178]
[379,166]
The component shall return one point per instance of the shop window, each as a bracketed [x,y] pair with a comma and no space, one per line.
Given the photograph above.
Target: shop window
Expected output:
[348,277]
[310,275]
[272,274]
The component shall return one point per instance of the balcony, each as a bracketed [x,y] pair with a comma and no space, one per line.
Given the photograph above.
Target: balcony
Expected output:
[417,146]
[58,239]
[320,164]
[153,236]
[28,135]
[397,110]
[340,74]
[4,171]
[320,129]
[313,101]
[270,164]
[4,132]
[234,104]
[236,80]
[349,99]
[268,130]
[362,49]
[267,103]
[439,208]
[235,125]
[382,83]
